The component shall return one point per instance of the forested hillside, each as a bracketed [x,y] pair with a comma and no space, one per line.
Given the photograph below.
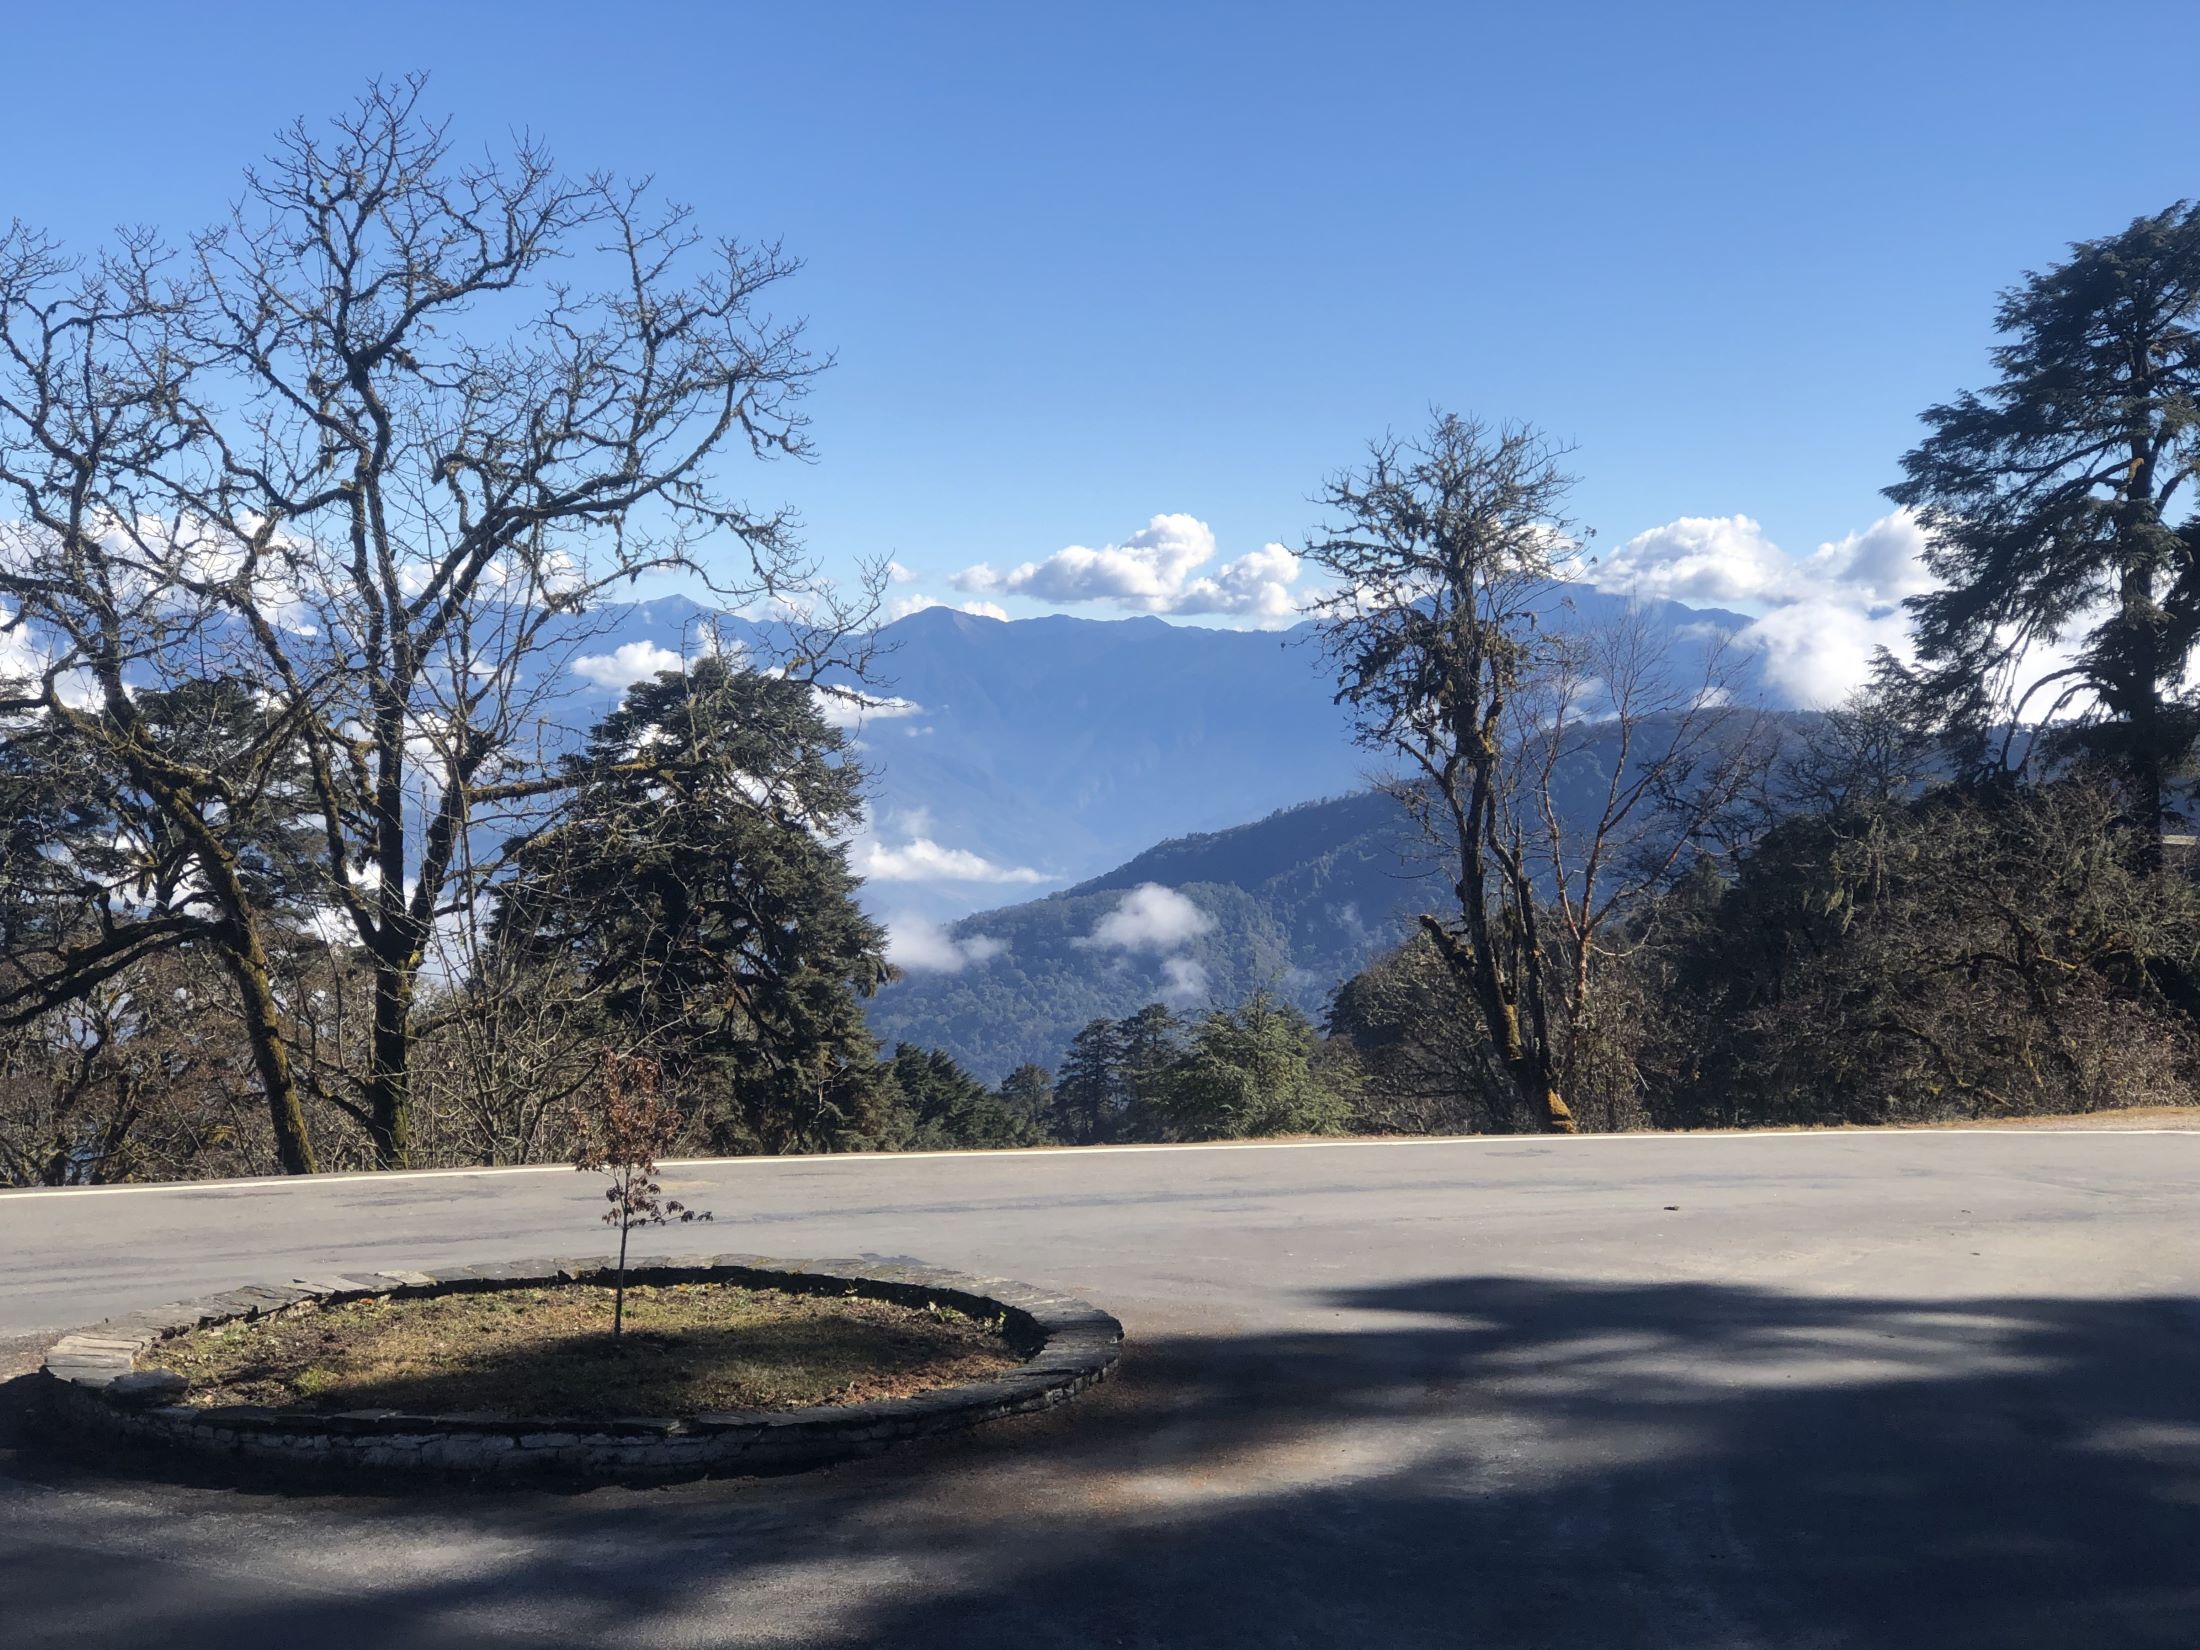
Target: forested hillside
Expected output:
[1297,902]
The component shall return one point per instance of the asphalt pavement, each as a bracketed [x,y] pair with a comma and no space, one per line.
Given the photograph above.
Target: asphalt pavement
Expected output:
[1794,1391]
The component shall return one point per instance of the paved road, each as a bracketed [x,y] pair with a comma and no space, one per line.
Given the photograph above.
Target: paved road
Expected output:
[1769,1391]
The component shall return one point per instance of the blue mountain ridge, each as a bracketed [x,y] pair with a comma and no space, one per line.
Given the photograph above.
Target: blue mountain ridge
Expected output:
[1058,747]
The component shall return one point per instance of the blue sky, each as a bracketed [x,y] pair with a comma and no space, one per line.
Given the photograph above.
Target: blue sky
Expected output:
[1085,265]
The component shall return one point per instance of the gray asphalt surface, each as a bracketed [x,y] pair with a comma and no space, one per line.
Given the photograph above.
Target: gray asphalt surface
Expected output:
[1778,1391]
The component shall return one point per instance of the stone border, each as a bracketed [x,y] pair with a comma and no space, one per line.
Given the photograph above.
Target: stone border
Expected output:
[93,1377]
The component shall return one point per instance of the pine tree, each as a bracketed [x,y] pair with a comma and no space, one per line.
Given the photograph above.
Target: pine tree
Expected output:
[950,1109]
[2050,501]
[1028,1091]
[1247,1071]
[696,883]
[1089,1094]
[1153,1040]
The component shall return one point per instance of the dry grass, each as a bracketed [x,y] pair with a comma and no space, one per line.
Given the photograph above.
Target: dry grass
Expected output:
[548,1352]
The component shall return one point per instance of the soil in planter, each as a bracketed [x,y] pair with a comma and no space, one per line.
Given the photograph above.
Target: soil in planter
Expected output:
[549,1352]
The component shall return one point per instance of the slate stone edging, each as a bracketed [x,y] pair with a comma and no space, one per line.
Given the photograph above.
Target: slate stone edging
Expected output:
[93,1379]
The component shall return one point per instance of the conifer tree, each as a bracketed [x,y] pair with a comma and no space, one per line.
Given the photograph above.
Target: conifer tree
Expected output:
[2058,504]
[697,882]
[1089,1095]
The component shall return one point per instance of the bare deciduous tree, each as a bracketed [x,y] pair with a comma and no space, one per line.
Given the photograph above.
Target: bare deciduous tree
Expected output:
[371,445]
[140,1077]
[1447,554]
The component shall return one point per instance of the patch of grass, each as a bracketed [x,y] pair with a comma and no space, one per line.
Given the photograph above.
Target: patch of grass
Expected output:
[549,1352]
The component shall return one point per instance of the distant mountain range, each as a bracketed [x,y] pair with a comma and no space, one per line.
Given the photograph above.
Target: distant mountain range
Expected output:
[1035,753]
[1010,757]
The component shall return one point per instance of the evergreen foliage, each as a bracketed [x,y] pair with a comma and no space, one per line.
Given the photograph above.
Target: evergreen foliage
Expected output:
[2059,506]
[695,885]
[1247,1071]
[943,1107]
[1028,1092]
[1090,1099]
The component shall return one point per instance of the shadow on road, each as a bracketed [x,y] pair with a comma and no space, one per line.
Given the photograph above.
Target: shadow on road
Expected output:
[1466,1461]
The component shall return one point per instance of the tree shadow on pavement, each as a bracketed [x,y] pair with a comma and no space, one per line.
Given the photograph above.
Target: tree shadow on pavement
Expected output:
[1462,1461]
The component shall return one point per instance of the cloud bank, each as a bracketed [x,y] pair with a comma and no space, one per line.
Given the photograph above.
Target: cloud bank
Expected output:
[920,859]
[626,664]
[1155,570]
[1821,617]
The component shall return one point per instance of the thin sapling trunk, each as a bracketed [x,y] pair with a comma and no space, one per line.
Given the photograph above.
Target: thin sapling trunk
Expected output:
[620,1132]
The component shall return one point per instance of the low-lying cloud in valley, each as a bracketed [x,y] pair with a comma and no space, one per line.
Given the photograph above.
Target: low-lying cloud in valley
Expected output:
[846,707]
[918,945]
[1159,920]
[1150,918]
[627,664]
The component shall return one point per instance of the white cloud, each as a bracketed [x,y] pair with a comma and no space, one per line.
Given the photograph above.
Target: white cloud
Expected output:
[898,574]
[25,659]
[847,707]
[1160,920]
[1155,570]
[20,658]
[1720,559]
[1882,565]
[920,859]
[1150,918]
[1151,565]
[1258,583]
[1821,618]
[921,946]
[1816,652]
[626,664]
[1183,982]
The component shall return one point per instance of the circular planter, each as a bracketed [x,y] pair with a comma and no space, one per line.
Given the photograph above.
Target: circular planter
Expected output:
[93,1378]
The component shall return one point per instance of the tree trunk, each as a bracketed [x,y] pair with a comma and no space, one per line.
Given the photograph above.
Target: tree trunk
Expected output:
[1528,1069]
[618,1288]
[247,964]
[389,1081]
[2141,656]
[1532,1076]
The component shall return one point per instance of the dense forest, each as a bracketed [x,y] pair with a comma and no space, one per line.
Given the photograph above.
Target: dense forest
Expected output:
[300,868]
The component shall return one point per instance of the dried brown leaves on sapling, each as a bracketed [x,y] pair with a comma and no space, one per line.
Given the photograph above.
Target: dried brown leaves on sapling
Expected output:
[620,1133]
